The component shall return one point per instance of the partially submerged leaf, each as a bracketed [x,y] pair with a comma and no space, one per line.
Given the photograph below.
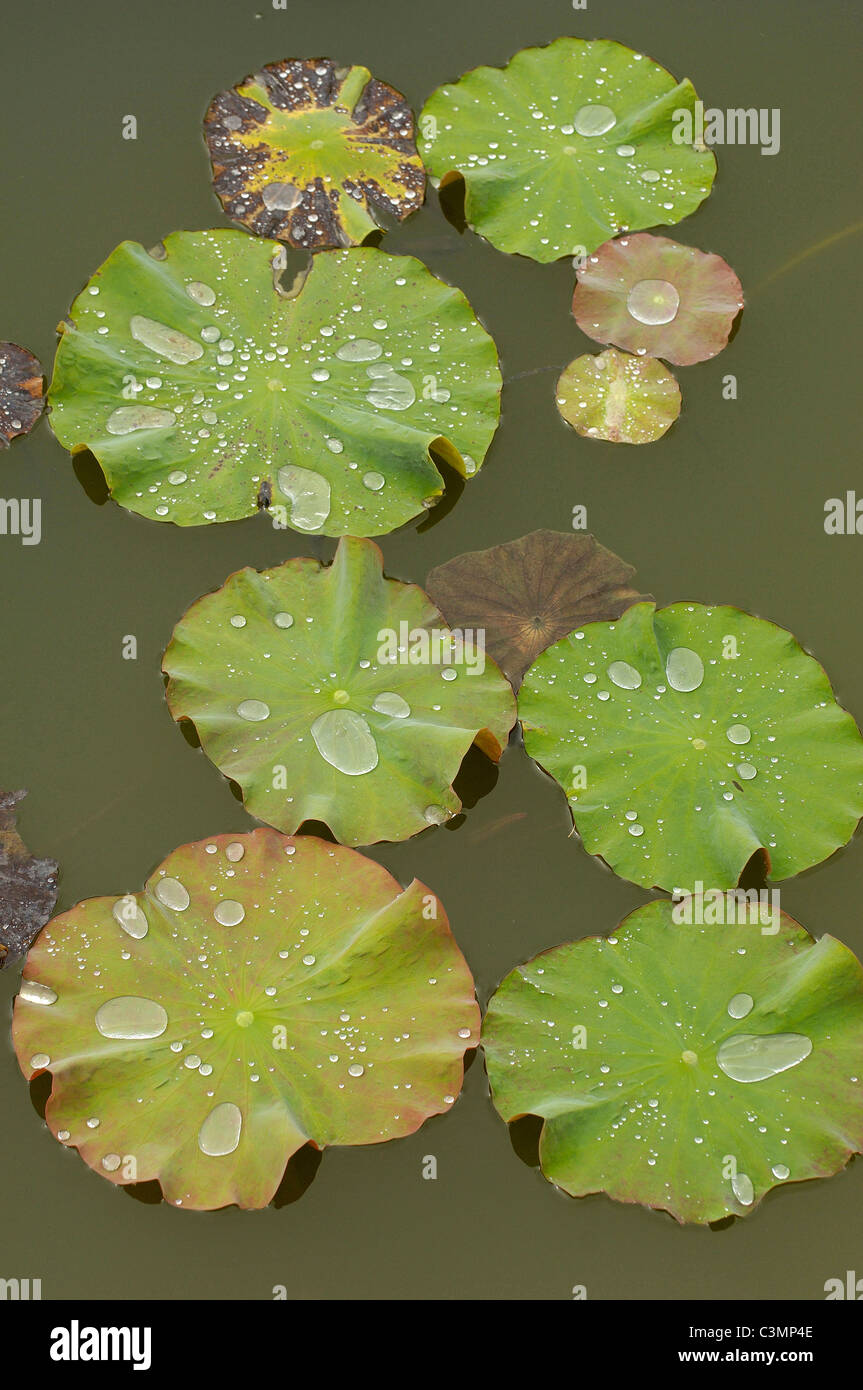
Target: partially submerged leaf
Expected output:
[335,695]
[206,394]
[687,1067]
[619,398]
[649,294]
[28,886]
[20,392]
[261,993]
[316,154]
[566,146]
[689,739]
[528,593]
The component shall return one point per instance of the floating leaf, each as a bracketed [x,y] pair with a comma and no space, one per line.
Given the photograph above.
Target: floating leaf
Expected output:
[622,399]
[566,146]
[206,394]
[335,695]
[686,1067]
[28,886]
[651,295]
[260,994]
[690,738]
[528,593]
[20,392]
[316,154]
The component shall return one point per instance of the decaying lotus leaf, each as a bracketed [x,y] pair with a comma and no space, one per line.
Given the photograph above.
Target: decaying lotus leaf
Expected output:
[313,153]
[530,592]
[28,886]
[20,392]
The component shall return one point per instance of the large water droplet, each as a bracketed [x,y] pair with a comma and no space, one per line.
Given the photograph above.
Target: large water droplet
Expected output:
[781,1171]
[220,1133]
[389,391]
[684,669]
[356,1069]
[284,620]
[746,771]
[388,702]
[253,710]
[235,851]
[309,493]
[281,197]
[741,1186]
[229,913]
[201,293]
[171,892]
[594,119]
[755,1056]
[653,301]
[345,741]
[738,733]
[126,419]
[359,350]
[624,675]
[130,1016]
[40,1060]
[435,815]
[373,481]
[740,1005]
[164,341]
[128,915]
[34,993]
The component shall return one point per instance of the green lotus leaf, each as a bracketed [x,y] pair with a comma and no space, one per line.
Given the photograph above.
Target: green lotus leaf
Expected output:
[566,146]
[262,993]
[21,402]
[206,393]
[687,1067]
[316,154]
[691,738]
[530,592]
[336,695]
[649,294]
[619,398]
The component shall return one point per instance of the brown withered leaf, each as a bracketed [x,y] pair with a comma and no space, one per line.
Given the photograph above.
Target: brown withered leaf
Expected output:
[20,392]
[28,886]
[529,593]
[313,153]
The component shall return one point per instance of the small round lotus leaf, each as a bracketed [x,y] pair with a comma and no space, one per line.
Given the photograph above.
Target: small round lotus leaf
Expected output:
[336,695]
[260,994]
[316,154]
[685,1066]
[689,739]
[207,394]
[20,392]
[651,295]
[566,146]
[619,398]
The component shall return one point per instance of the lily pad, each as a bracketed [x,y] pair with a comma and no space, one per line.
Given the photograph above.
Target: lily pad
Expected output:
[566,146]
[20,392]
[314,153]
[262,993]
[649,294]
[336,695]
[691,738]
[689,1068]
[528,593]
[206,393]
[28,886]
[619,398]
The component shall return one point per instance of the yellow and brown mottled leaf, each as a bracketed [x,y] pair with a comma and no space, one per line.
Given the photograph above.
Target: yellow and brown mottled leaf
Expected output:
[315,154]
[20,392]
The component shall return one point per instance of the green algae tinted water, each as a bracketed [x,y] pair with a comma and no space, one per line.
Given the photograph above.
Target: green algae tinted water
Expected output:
[728,508]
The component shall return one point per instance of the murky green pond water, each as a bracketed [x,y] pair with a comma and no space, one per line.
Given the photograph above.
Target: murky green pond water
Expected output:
[728,508]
